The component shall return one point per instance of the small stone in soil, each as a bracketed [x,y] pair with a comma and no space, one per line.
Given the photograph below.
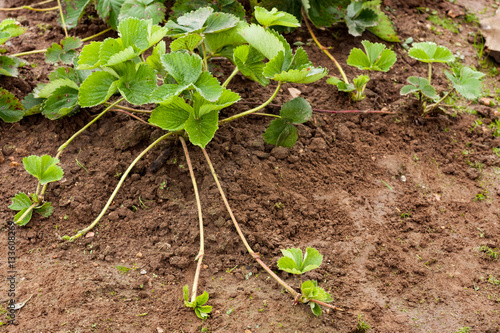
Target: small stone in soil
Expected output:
[138,255]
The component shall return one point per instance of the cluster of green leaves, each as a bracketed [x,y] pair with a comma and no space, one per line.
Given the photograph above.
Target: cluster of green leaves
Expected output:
[375,58]
[11,109]
[464,80]
[198,305]
[114,11]
[182,7]
[46,170]
[294,262]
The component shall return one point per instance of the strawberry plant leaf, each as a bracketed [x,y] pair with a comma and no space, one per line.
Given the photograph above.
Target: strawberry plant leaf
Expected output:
[203,106]
[293,263]
[143,9]
[430,52]
[230,38]
[263,40]
[360,85]
[109,10]
[73,11]
[324,13]
[44,168]
[171,114]
[358,18]
[8,66]
[377,57]
[311,291]
[183,67]
[134,32]
[136,84]
[201,130]
[188,42]
[250,63]
[227,6]
[384,29]
[21,202]
[281,132]
[274,17]
[32,105]
[341,85]
[44,91]
[185,293]
[89,57]
[218,22]
[154,60]
[166,91]
[11,110]
[466,81]
[419,84]
[97,89]
[45,210]
[208,86]
[296,111]
[315,308]
[60,103]
[65,52]
[10,28]
[306,75]
[202,299]
[191,22]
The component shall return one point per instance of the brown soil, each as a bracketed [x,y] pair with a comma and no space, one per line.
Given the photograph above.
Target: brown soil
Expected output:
[388,199]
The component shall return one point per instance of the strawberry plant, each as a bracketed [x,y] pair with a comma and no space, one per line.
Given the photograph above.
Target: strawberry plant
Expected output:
[375,57]
[464,80]
[294,262]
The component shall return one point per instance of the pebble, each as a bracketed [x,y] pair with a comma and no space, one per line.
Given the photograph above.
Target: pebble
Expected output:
[113,216]
[280,152]
[143,272]
[318,144]
[343,133]
[160,330]
[138,255]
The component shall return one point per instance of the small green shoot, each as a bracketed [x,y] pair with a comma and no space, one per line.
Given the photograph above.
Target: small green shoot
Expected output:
[311,291]
[274,17]
[198,306]
[493,254]
[123,269]
[362,326]
[293,262]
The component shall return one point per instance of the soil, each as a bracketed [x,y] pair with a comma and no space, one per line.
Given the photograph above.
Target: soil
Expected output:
[392,201]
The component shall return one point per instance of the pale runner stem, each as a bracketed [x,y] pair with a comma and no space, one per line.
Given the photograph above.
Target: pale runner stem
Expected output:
[134,116]
[129,109]
[433,106]
[326,304]
[199,257]
[86,39]
[256,256]
[233,74]
[62,18]
[64,145]
[430,72]
[324,49]
[120,183]
[28,53]
[246,113]
[323,111]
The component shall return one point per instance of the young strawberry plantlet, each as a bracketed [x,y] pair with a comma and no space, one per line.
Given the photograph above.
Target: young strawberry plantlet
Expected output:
[465,81]
[375,58]
[46,170]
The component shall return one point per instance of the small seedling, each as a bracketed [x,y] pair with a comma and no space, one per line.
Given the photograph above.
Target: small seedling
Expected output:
[375,58]
[491,253]
[362,326]
[198,304]
[464,80]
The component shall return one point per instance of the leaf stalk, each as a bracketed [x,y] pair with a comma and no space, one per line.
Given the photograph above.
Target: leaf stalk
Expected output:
[62,18]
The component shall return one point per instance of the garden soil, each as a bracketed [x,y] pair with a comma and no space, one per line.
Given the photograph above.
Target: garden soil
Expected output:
[398,204]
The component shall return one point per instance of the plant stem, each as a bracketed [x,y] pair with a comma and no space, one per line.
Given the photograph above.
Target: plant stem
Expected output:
[430,72]
[120,183]
[199,257]
[233,74]
[28,53]
[326,304]
[33,205]
[324,49]
[205,63]
[242,114]
[267,115]
[256,256]
[129,109]
[62,18]
[134,116]
[96,35]
[326,111]
[431,107]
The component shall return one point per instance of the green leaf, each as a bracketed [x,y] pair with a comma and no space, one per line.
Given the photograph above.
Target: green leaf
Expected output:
[377,57]
[60,103]
[419,84]
[11,110]
[183,67]
[8,66]
[191,22]
[65,52]
[73,11]
[306,75]
[143,9]
[227,6]
[315,308]
[430,52]
[189,42]
[296,111]
[45,210]
[171,114]
[218,22]
[202,299]
[360,82]
[32,105]
[97,89]
[358,18]
[44,168]
[230,38]
[263,40]
[154,60]
[166,91]
[341,85]
[10,28]
[137,84]
[275,17]
[203,106]
[250,63]
[292,262]
[466,82]
[109,10]
[22,203]
[89,57]
[134,32]
[384,29]
[280,132]
[46,90]
[208,86]
[324,13]
[310,290]
[202,130]
[185,293]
